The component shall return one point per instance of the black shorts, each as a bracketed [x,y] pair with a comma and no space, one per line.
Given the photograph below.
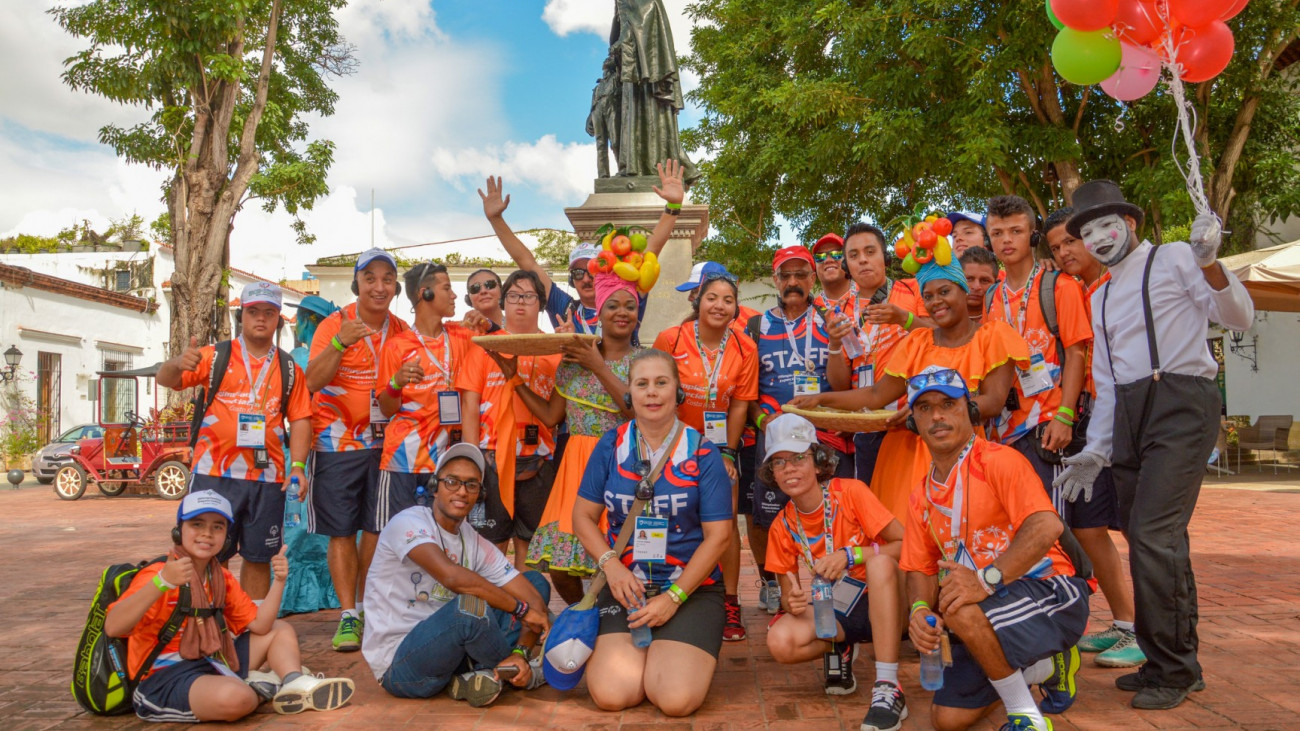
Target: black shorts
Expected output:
[344,492]
[857,624]
[698,621]
[396,492]
[165,695]
[748,467]
[495,522]
[258,511]
[1102,511]
[1033,619]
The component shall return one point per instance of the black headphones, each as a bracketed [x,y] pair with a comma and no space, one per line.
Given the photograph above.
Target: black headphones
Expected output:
[433,487]
[357,290]
[824,460]
[972,410]
[426,294]
[225,547]
[681,397]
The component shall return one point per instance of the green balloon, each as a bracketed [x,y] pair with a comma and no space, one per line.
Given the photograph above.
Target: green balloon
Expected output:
[1052,16]
[1086,57]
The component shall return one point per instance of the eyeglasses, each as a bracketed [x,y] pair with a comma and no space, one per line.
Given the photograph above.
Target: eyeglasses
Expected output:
[795,461]
[791,276]
[578,274]
[519,298]
[477,287]
[454,484]
[945,377]
[833,254]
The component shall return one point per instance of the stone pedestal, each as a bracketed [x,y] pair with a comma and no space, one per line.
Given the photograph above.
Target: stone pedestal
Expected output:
[667,307]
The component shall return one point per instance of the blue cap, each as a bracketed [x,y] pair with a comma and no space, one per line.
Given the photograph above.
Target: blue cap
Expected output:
[204,501]
[936,378]
[568,646]
[974,218]
[370,255]
[700,272]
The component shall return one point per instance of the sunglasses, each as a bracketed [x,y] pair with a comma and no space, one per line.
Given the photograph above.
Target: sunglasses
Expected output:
[833,255]
[578,274]
[454,485]
[477,287]
[945,377]
[715,276]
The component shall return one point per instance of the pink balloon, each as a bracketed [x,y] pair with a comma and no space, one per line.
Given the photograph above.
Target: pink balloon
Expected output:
[1138,74]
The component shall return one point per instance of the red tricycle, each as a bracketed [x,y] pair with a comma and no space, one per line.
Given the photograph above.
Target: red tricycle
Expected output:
[133,452]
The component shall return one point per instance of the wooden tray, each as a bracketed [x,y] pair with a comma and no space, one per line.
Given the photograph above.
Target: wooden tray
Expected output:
[531,344]
[836,420]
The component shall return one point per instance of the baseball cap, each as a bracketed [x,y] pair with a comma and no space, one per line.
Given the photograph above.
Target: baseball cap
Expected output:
[791,253]
[974,218]
[789,433]
[699,272]
[934,378]
[458,450]
[261,292]
[583,251]
[370,255]
[204,501]
[568,646]
[827,241]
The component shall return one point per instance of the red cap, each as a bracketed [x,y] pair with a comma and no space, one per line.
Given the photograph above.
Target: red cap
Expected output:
[790,253]
[828,240]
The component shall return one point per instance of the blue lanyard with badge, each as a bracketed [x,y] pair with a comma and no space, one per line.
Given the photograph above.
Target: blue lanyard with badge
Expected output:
[806,382]
[1039,376]
[377,419]
[650,530]
[864,375]
[251,433]
[847,590]
[715,421]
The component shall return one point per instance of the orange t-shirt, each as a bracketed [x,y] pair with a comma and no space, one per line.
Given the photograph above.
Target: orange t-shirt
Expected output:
[857,519]
[239,613]
[415,433]
[481,375]
[1000,490]
[736,378]
[993,344]
[216,453]
[879,341]
[1024,313]
[341,420]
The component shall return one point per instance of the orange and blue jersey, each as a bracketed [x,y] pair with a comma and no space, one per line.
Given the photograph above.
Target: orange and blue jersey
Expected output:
[415,434]
[693,489]
[787,352]
[341,410]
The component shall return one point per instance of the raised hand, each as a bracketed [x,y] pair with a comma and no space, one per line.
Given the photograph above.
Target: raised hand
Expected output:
[670,177]
[568,324]
[796,599]
[410,372]
[353,331]
[192,355]
[1205,238]
[493,204]
[280,563]
[178,571]
[509,366]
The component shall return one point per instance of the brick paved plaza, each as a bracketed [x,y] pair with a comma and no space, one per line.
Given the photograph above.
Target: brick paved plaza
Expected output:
[1243,542]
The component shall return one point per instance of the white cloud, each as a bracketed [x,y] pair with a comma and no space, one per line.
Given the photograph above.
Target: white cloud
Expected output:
[587,16]
[562,172]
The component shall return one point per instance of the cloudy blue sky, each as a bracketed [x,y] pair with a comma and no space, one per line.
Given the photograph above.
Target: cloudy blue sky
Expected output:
[448,91]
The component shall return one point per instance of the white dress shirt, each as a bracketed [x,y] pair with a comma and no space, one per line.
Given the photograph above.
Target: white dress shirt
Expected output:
[1182,305]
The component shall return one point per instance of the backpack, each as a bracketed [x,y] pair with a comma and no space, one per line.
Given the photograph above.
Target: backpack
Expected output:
[220,362]
[101,680]
[1046,305]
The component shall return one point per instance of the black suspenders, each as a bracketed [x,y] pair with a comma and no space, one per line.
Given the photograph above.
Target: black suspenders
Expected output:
[1152,350]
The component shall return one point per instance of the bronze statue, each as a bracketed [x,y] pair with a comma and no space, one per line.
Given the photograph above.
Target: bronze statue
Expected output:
[635,104]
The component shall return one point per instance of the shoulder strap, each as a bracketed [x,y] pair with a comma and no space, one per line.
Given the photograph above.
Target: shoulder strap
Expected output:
[168,631]
[287,377]
[752,327]
[988,297]
[220,362]
[1152,351]
[1047,304]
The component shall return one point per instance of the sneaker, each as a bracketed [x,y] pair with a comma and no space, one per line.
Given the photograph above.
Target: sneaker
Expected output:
[733,630]
[1021,722]
[348,636]
[306,693]
[773,597]
[538,678]
[1102,641]
[264,684]
[888,708]
[479,687]
[1059,689]
[1123,654]
[1156,698]
[838,666]
[1134,682]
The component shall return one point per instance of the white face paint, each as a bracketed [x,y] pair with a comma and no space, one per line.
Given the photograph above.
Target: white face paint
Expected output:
[1107,238]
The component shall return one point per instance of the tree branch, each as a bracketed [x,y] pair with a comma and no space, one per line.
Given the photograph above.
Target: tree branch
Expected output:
[248,155]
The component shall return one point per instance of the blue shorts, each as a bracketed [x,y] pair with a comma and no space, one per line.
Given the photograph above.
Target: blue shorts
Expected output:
[1102,511]
[164,696]
[1033,619]
[395,492]
[344,493]
[258,512]
[748,467]
[857,624]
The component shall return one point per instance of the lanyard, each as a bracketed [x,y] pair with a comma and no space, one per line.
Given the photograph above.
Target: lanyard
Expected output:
[851,296]
[445,370]
[374,355]
[258,385]
[955,514]
[712,371]
[807,340]
[828,518]
[1019,322]
[464,557]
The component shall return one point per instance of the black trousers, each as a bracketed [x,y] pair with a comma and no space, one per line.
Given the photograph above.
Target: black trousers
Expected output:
[1163,435]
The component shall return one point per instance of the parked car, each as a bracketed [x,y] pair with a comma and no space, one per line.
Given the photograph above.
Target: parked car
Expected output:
[46,462]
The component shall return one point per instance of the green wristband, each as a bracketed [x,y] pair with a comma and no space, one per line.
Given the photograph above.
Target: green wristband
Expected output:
[679,592]
[908,325]
[1064,420]
[299,465]
[919,604]
[162,584]
[1065,410]
[674,206]
[338,344]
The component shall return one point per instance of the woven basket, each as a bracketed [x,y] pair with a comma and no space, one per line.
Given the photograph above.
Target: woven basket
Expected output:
[531,344]
[837,420]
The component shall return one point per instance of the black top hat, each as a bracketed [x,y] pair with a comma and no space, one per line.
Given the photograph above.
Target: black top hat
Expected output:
[1097,198]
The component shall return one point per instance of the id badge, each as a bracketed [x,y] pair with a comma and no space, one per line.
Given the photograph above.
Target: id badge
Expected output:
[531,435]
[448,407]
[252,431]
[223,669]
[807,384]
[1038,377]
[715,426]
[864,376]
[650,539]
[846,593]
[261,458]
[376,413]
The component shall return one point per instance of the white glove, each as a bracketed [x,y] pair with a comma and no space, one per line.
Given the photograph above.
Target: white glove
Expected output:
[1080,473]
[1206,236]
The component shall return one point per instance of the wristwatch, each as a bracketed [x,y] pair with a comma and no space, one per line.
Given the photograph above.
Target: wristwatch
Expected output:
[992,576]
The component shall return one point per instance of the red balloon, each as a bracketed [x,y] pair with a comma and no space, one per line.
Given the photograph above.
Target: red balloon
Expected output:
[1085,14]
[1234,9]
[1137,22]
[1197,13]
[1203,52]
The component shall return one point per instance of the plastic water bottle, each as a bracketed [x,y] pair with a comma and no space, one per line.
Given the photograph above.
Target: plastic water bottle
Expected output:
[852,343]
[823,601]
[932,665]
[641,636]
[293,507]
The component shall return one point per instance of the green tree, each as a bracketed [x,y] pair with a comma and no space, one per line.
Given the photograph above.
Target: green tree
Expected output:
[825,111]
[553,246]
[230,85]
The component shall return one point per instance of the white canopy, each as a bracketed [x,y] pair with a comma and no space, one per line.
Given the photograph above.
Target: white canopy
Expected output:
[1272,276]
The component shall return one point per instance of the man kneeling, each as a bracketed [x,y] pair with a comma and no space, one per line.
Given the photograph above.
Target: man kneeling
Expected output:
[443,605]
[1006,590]
[200,675]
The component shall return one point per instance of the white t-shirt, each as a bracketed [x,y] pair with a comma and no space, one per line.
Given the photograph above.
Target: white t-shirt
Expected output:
[400,593]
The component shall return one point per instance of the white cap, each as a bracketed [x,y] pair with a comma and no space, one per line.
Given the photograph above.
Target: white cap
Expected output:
[204,501]
[583,251]
[261,292]
[789,433]
[459,450]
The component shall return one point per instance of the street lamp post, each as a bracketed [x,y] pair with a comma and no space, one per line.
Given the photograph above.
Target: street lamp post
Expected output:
[13,356]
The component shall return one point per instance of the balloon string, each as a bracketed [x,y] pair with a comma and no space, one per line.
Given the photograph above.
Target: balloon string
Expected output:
[1186,122]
